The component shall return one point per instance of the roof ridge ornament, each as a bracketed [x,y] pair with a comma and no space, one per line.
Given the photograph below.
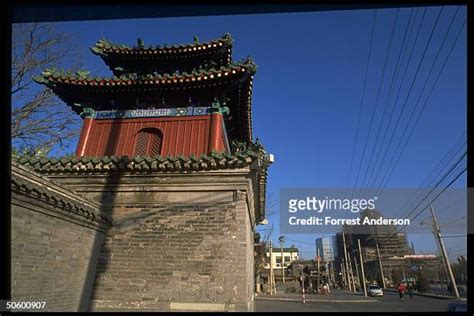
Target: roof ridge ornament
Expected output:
[196,39]
[249,60]
[141,43]
[82,74]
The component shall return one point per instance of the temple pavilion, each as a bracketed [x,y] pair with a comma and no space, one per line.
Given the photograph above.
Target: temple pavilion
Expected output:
[167,151]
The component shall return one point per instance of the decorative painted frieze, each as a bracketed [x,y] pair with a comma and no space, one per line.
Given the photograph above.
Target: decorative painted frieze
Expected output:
[188,111]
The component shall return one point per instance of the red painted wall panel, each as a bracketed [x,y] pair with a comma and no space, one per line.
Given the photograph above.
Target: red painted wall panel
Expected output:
[181,135]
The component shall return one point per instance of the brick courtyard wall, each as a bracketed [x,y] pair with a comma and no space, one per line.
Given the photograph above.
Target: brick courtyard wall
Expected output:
[180,242]
[55,243]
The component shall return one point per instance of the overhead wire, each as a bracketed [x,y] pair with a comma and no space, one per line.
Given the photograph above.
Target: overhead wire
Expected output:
[390,89]
[379,89]
[417,71]
[385,153]
[426,100]
[363,95]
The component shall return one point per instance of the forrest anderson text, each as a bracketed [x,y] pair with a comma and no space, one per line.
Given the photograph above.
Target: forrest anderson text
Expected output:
[327,220]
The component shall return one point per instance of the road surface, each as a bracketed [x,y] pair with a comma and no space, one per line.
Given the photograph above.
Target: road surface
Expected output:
[348,302]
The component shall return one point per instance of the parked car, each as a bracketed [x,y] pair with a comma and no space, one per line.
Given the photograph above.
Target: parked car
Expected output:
[457,307]
[375,290]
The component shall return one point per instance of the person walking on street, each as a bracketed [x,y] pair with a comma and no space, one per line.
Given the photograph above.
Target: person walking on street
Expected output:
[401,291]
[325,289]
[410,290]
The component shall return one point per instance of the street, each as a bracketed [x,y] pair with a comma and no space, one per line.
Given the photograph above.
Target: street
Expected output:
[342,301]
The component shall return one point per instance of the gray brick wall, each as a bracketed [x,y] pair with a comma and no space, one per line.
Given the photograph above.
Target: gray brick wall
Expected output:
[166,252]
[54,251]
[184,254]
[51,259]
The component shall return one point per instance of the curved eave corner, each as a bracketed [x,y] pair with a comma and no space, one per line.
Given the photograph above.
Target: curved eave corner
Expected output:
[105,47]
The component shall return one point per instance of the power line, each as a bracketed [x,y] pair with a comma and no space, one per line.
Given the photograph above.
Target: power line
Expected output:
[395,231]
[426,100]
[301,242]
[445,188]
[396,99]
[435,172]
[395,22]
[433,180]
[362,99]
[448,206]
[439,182]
[398,93]
[417,71]
[434,199]
[395,73]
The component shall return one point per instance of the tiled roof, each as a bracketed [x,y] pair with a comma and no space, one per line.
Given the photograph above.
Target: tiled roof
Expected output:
[73,89]
[53,77]
[160,164]
[42,188]
[214,161]
[105,47]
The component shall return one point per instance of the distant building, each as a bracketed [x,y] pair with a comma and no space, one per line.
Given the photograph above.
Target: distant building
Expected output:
[391,245]
[290,254]
[325,246]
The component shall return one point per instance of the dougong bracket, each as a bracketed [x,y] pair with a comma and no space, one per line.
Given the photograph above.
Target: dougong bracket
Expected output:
[87,113]
[217,108]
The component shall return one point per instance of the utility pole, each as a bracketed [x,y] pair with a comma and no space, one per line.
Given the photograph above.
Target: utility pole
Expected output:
[302,284]
[362,268]
[333,269]
[357,270]
[343,273]
[345,257]
[354,289]
[437,233]
[403,273]
[380,265]
[328,271]
[282,240]
[271,279]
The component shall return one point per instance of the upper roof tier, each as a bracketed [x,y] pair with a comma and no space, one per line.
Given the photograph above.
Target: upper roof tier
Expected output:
[165,59]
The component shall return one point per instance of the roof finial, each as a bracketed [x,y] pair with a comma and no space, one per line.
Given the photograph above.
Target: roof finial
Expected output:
[249,60]
[141,43]
[196,39]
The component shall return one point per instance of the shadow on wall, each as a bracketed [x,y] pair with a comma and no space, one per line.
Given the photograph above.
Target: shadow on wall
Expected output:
[166,264]
[106,203]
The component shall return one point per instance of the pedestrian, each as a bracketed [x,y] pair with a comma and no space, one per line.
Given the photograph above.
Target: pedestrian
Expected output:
[325,289]
[401,291]
[410,290]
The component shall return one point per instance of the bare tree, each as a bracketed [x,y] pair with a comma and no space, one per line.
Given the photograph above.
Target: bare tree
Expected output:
[260,250]
[40,120]
[264,235]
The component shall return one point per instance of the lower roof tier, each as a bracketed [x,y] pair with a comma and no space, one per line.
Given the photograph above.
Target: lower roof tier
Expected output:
[254,158]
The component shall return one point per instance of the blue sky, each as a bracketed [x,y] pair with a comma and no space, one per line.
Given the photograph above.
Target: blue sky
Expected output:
[308,90]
